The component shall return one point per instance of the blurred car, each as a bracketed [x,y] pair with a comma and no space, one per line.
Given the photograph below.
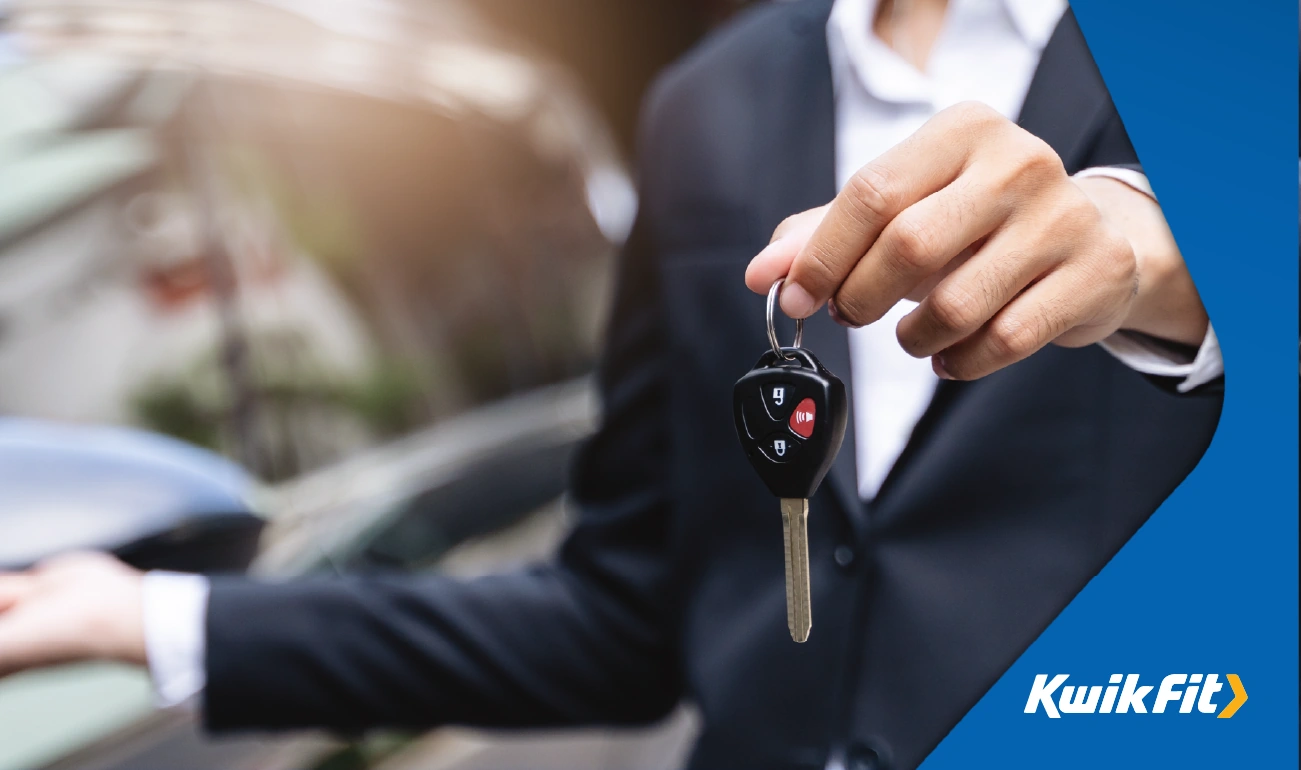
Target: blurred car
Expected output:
[359,248]
[292,230]
[476,493]
[479,493]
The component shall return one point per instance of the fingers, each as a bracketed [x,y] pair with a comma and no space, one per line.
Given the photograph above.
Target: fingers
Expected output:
[969,296]
[13,589]
[1021,328]
[73,607]
[1065,300]
[774,262]
[15,648]
[925,162]
[978,220]
[917,244]
[1064,277]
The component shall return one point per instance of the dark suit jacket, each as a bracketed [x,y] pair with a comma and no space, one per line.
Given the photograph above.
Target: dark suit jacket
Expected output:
[1011,494]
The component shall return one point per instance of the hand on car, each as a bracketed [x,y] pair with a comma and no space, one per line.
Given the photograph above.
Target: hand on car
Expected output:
[977,220]
[84,606]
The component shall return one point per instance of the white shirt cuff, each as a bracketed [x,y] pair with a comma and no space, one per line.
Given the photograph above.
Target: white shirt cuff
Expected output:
[1147,355]
[175,612]
[1128,176]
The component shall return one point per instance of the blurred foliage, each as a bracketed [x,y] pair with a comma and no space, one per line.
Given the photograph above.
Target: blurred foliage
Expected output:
[472,260]
[390,400]
[170,407]
[468,259]
[319,218]
[294,398]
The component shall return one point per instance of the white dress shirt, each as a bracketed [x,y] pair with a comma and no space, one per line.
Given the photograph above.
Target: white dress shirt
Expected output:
[987,51]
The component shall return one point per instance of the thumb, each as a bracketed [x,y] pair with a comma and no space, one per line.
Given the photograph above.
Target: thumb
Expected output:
[774,262]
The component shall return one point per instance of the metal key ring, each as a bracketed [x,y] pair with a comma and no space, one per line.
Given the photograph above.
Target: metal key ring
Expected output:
[773,294]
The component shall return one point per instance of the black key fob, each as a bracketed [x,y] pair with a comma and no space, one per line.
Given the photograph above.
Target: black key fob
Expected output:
[790,416]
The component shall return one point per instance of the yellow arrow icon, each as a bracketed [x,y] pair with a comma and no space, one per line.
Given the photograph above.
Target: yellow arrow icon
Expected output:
[1239,697]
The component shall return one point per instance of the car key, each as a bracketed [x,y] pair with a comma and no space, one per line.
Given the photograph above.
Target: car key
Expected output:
[790,415]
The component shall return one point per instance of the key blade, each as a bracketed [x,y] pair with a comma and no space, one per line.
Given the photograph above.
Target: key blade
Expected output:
[795,532]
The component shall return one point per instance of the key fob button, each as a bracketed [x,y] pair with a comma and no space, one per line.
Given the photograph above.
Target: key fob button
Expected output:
[780,447]
[778,397]
[804,418]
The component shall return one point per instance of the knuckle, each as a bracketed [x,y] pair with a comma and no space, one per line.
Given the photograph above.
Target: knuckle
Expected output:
[977,114]
[1111,263]
[852,309]
[915,244]
[1014,337]
[1035,159]
[872,193]
[955,309]
[815,270]
[959,366]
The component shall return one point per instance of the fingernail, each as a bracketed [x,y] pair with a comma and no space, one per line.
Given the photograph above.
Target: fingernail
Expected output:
[937,366]
[834,312]
[796,302]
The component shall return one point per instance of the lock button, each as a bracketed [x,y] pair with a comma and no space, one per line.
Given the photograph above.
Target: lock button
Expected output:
[780,447]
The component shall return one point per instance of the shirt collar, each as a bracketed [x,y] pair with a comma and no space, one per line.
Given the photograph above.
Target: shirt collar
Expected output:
[855,49]
[857,54]
[1036,19]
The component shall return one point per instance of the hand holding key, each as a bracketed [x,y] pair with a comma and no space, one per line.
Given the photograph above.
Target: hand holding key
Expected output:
[977,220]
[790,415]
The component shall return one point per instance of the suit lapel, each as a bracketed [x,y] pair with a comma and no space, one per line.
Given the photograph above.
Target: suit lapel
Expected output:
[1067,101]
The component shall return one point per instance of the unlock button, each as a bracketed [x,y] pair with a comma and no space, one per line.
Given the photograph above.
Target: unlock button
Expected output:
[778,397]
[780,447]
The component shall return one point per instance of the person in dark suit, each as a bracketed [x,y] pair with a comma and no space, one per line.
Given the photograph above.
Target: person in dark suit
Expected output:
[987,476]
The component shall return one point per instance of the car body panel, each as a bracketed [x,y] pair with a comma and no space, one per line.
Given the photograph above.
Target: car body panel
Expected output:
[76,487]
[47,714]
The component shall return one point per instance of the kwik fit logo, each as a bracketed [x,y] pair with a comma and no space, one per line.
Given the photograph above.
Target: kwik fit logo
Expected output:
[1186,693]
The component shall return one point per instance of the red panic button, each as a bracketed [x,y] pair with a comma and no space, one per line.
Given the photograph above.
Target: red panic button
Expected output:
[803,417]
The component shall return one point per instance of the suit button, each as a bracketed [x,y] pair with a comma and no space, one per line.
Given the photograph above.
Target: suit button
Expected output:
[863,757]
[844,556]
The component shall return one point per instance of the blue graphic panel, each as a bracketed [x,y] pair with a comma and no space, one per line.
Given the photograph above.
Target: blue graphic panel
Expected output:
[1206,90]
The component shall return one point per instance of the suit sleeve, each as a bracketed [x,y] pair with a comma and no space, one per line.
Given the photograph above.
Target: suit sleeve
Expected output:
[587,639]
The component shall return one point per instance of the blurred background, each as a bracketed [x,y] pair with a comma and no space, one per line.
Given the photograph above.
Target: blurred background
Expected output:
[307,285]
